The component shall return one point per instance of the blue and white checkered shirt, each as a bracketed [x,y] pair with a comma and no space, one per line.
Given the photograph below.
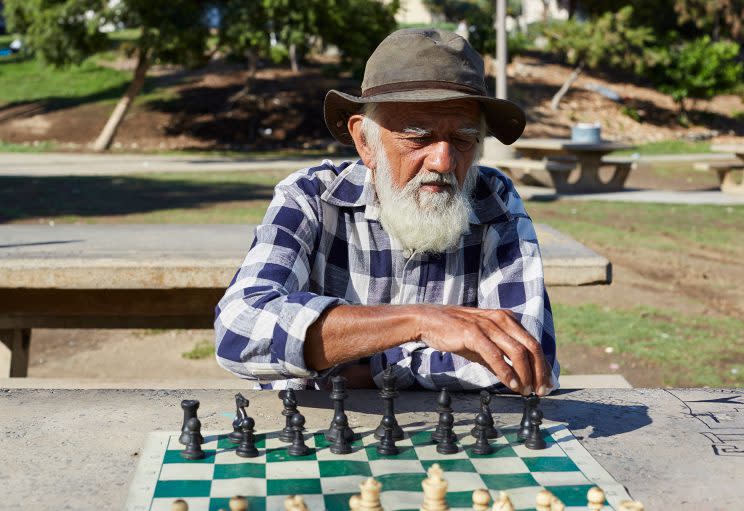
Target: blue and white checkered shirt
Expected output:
[321,244]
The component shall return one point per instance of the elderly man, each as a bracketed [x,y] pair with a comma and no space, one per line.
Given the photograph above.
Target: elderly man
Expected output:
[413,257]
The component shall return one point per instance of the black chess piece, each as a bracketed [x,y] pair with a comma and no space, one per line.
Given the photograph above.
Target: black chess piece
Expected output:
[240,403]
[444,405]
[341,444]
[485,400]
[446,444]
[529,402]
[481,447]
[338,395]
[535,440]
[190,406]
[388,394]
[193,449]
[387,446]
[247,446]
[290,408]
[298,447]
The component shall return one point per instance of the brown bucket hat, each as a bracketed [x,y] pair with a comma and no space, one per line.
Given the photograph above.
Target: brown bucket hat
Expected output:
[418,65]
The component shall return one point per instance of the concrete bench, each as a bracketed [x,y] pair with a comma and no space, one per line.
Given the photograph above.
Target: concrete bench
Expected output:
[557,172]
[160,276]
[730,174]
[531,172]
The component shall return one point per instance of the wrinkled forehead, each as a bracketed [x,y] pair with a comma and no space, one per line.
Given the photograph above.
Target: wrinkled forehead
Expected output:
[439,116]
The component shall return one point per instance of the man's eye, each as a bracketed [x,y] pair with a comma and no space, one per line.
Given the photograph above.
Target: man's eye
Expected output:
[464,144]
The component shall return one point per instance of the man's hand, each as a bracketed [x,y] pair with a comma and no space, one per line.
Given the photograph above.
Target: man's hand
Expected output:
[486,336]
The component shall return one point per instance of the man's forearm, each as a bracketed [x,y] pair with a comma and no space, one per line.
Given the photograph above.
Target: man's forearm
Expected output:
[350,332]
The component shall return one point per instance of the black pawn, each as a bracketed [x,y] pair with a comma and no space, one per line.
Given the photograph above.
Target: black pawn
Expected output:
[485,400]
[388,394]
[535,439]
[482,447]
[338,395]
[190,406]
[446,444]
[530,402]
[387,446]
[193,449]
[247,447]
[240,403]
[444,405]
[298,447]
[290,408]
[341,444]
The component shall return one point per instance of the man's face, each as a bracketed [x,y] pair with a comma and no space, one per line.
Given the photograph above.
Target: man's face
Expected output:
[431,138]
[422,158]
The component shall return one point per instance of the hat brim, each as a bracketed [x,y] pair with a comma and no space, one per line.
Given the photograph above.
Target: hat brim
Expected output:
[505,120]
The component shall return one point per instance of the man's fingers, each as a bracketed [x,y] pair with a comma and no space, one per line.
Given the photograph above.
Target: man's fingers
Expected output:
[539,365]
[492,356]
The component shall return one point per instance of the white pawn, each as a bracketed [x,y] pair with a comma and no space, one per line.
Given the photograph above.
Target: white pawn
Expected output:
[543,500]
[295,503]
[179,505]
[354,502]
[435,490]
[481,500]
[504,503]
[595,498]
[238,503]
[556,504]
[369,499]
[630,505]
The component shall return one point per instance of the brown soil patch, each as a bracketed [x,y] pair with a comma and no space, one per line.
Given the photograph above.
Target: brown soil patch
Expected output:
[223,107]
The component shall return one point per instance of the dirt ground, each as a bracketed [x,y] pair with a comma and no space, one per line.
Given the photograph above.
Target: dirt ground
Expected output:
[223,107]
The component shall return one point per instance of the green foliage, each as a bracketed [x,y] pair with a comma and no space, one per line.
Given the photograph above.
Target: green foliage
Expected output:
[696,69]
[480,16]
[65,32]
[355,27]
[60,32]
[610,40]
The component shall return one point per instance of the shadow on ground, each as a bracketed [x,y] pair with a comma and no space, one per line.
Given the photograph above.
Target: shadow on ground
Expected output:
[23,198]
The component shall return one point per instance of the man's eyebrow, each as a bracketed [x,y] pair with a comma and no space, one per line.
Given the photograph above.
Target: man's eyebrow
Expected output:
[416,130]
[468,132]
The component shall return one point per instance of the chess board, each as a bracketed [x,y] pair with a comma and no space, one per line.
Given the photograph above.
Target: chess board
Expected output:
[326,480]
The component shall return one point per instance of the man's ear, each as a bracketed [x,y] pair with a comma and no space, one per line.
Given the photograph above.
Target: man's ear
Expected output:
[355,129]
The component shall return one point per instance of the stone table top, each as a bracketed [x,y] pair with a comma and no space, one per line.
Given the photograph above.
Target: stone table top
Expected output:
[194,256]
[568,145]
[680,449]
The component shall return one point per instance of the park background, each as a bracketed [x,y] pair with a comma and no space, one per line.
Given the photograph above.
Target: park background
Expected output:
[245,80]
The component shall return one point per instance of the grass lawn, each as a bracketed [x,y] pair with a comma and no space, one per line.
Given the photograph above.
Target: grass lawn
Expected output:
[668,147]
[695,350]
[657,226]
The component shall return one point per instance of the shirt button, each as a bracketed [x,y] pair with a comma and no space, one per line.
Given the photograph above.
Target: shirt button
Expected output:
[407,253]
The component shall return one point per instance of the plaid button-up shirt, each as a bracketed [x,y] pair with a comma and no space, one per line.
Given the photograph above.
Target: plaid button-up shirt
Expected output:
[321,244]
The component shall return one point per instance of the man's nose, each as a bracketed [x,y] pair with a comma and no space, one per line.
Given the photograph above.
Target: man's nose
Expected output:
[441,157]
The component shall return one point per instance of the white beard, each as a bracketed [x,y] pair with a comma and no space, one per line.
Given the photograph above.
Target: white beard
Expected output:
[424,221]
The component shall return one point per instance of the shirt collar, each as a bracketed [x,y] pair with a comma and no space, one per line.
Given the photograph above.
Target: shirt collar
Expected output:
[353,187]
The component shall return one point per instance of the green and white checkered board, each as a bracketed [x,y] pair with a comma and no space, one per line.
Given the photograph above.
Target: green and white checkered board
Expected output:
[326,480]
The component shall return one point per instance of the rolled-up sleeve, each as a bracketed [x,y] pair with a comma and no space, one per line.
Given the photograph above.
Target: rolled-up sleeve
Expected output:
[262,320]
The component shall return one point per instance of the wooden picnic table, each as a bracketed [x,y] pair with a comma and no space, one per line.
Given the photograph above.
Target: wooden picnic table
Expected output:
[159,276]
[673,449]
[587,159]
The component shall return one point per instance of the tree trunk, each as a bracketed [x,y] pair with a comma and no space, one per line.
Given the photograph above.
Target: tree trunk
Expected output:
[104,140]
[566,85]
[293,58]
